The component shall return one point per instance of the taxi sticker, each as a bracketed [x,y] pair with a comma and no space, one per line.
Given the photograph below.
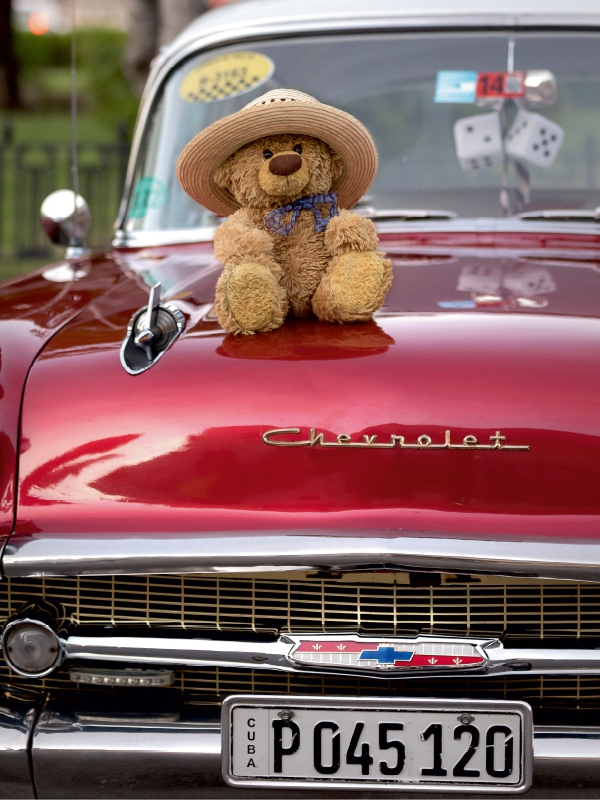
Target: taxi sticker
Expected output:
[150,194]
[225,76]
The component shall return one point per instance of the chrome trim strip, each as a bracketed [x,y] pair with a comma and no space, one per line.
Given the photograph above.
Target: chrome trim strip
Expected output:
[285,550]
[134,239]
[188,652]
[488,225]
[116,754]
[279,655]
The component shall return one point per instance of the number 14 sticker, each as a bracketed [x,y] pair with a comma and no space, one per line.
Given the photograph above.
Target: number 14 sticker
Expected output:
[500,84]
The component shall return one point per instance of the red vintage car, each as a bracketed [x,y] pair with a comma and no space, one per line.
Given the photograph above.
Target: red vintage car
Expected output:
[328,557]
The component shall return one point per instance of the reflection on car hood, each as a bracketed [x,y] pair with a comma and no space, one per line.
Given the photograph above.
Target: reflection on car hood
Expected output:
[32,309]
[455,362]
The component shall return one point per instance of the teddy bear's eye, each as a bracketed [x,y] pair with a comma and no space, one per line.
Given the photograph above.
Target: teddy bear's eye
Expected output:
[267,153]
[298,149]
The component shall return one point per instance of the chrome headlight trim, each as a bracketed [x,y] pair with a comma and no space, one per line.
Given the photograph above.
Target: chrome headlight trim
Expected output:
[35,624]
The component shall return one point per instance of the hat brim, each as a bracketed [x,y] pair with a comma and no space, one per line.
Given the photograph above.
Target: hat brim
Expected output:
[341,131]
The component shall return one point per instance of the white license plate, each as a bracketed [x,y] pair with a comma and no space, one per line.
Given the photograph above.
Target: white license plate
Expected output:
[379,743]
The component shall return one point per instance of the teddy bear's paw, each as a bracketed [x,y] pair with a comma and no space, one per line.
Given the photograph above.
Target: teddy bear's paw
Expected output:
[353,287]
[349,231]
[254,299]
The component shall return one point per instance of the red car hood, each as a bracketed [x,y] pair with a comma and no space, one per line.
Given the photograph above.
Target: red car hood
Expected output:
[182,446]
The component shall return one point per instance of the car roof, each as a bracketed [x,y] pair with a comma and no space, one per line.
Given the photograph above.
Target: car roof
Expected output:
[241,19]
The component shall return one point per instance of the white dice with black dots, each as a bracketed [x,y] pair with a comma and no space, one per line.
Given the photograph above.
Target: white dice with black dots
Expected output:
[478,141]
[534,139]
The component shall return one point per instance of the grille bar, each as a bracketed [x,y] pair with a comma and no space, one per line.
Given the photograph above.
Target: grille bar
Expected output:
[390,606]
[211,685]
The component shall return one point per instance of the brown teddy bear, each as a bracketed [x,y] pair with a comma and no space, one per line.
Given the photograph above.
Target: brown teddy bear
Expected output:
[285,165]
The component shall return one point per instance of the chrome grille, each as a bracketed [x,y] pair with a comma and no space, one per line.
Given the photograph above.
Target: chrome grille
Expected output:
[380,604]
[211,685]
[374,603]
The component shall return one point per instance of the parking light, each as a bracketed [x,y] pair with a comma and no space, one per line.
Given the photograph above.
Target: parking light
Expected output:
[31,648]
[123,677]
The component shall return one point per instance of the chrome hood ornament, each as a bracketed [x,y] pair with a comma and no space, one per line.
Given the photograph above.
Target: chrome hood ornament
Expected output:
[151,331]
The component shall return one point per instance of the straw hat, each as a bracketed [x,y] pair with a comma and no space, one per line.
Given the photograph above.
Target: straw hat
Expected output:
[277,112]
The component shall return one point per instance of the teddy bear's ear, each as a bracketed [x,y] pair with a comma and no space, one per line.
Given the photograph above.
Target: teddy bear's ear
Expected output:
[222,175]
[337,167]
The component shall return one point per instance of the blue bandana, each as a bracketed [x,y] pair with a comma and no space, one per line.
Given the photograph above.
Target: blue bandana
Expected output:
[274,219]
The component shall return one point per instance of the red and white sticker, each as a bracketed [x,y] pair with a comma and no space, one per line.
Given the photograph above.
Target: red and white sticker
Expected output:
[496,85]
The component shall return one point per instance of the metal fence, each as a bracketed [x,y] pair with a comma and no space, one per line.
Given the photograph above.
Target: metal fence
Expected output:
[29,171]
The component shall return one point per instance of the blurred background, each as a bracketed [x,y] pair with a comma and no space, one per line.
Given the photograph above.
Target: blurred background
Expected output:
[116,41]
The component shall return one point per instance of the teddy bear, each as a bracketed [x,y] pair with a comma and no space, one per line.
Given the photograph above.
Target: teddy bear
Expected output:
[285,170]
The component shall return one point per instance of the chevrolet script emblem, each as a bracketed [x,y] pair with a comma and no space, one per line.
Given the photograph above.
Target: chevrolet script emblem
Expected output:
[347,652]
[280,438]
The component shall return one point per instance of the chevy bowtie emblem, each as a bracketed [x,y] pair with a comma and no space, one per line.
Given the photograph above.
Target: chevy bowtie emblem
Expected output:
[350,652]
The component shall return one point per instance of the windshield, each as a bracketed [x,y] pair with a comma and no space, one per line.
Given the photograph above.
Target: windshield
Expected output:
[416,94]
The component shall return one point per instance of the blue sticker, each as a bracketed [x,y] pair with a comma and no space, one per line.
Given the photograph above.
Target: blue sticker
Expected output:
[455,87]
[150,195]
[456,304]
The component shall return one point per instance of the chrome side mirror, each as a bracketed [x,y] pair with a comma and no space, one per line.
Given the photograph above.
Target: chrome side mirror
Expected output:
[66,222]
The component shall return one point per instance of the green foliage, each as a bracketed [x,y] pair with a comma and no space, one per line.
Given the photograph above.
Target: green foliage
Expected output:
[103,89]
[37,52]
[101,58]
[29,126]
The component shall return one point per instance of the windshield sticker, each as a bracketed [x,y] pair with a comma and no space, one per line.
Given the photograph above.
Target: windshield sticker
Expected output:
[455,86]
[225,76]
[150,195]
[500,84]
[456,303]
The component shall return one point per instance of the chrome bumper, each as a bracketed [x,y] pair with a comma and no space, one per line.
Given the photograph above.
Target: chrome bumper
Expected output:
[71,753]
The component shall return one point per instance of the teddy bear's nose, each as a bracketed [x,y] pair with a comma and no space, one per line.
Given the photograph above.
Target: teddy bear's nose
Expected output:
[286,164]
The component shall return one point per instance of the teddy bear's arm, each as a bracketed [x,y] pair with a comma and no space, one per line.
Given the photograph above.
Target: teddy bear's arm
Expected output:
[249,297]
[350,232]
[358,276]
[240,239]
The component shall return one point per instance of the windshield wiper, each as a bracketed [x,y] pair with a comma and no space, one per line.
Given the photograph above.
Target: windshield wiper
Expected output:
[565,214]
[381,215]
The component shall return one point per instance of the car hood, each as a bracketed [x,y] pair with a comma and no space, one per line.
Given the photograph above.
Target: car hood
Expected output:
[463,407]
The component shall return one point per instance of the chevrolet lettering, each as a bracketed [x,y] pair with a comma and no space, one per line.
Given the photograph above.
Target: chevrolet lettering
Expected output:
[424,442]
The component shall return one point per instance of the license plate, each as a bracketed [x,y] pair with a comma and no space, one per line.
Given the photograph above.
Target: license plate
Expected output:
[377,743]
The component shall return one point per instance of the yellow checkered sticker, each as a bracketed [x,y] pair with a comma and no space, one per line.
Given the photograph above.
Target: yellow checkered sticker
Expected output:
[225,76]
